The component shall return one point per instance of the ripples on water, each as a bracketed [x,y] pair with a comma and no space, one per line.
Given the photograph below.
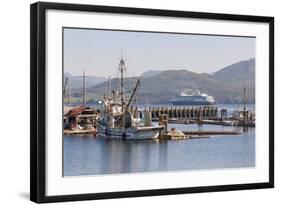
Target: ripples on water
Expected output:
[87,155]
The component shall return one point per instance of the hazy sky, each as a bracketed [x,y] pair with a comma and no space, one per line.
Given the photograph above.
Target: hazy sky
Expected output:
[98,51]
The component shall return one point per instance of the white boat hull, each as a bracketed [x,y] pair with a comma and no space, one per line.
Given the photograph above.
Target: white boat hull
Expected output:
[134,133]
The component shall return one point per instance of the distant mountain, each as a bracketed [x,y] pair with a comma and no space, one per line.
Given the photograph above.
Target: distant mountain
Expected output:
[226,85]
[75,81]
[237,72]
[151,73]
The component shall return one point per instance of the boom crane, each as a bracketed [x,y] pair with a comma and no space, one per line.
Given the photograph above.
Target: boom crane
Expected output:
[65,84]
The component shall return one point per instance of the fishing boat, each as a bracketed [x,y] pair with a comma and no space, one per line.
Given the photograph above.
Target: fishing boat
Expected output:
[117,122]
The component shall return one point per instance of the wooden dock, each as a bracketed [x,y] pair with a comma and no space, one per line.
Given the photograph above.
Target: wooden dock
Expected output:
[210,132]
[199,136]
[204,112]
[80,132]
[172,137]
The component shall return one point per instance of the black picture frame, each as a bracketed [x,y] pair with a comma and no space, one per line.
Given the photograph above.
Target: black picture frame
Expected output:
[38,101]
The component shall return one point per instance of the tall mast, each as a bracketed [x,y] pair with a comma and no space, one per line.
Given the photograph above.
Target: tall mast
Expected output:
[109,87]
[122,68]
[83,91]
[68,93]
[244,107]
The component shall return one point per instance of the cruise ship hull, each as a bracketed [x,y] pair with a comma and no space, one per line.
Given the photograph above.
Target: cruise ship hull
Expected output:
[198,99]
[191,103]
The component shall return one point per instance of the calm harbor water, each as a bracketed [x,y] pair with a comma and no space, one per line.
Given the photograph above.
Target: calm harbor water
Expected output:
[87,155]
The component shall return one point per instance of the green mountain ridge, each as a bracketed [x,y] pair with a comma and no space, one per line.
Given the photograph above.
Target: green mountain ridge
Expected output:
[75,82]
[226,85]
[233,72]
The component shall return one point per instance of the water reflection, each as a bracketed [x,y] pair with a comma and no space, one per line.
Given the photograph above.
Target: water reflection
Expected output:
[163,155]
[88,155]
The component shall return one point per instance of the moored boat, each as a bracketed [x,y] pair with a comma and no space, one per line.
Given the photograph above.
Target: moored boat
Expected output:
[116,122]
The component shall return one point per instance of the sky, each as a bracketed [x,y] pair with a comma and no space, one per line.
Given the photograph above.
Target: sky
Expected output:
[98,51]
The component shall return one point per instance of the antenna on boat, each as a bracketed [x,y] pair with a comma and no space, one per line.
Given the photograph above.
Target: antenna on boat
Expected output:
[109,87]
[83,89]
[68,93]
[244,106]
[122,68]
[113,95]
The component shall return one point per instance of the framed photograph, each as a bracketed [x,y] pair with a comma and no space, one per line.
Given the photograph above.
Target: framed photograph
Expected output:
[129,102]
